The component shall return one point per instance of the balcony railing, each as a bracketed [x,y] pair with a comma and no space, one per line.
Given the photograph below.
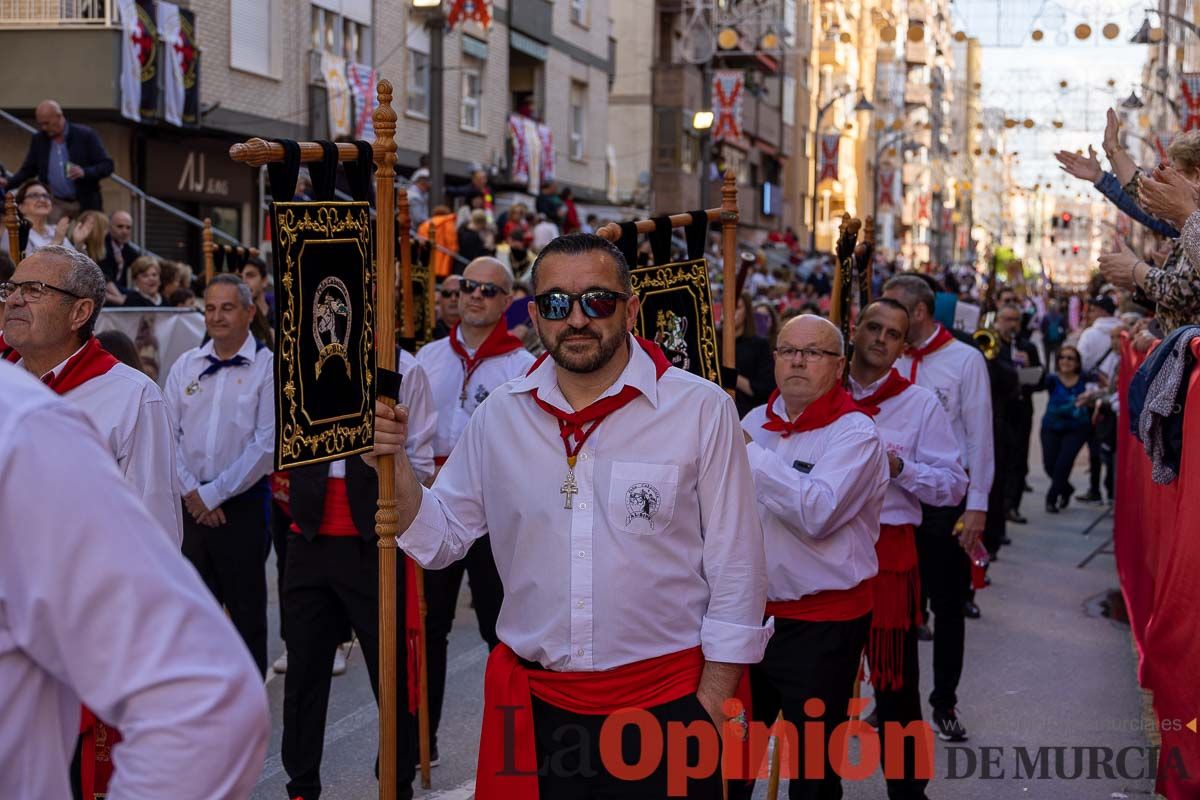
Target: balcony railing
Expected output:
[58,13]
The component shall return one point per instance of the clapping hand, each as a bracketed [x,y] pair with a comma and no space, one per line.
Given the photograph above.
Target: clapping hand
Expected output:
[1083,167]
[1117,266]
[1168,195]
[1112,133]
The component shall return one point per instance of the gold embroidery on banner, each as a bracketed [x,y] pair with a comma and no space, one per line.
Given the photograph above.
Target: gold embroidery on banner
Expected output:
[690,277]
[349,434]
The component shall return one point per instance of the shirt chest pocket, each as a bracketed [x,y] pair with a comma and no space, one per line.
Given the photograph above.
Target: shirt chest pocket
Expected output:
[641,497]
[245,410]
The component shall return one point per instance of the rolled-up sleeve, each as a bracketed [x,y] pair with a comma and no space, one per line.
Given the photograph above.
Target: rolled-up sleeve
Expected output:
[451,515]
[735,564]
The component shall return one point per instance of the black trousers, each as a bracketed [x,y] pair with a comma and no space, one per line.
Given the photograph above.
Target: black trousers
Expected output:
[281,523]
[996,525]
[903,706]
[1059,450]
[946,580]
[441,599]
[333,582]
[806,660]
[1100,458]
[570,764]
[1018,467]
[230,560]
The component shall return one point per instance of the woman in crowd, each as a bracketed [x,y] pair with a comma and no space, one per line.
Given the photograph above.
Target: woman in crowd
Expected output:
[755,367]
[147,281]
[87,234]
[1066,426]
[33,201]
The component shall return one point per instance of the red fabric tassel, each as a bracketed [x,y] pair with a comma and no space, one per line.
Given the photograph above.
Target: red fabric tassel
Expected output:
[413,643]
[897,592]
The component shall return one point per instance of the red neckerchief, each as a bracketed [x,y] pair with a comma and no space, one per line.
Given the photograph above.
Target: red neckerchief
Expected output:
[571,424]
[825,409]
[894,385]
[498,342]
[917,354]
[8,352]
[91,361]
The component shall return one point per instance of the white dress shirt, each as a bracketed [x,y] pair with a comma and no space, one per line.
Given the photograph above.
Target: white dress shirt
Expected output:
[224,422]
[958,375]
[914,426]
[96,606]
[659,552]
[446,371]
[821,526]
[132,417]
[1095,347]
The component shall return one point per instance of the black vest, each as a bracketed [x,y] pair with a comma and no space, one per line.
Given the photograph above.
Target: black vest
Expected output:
[308,496]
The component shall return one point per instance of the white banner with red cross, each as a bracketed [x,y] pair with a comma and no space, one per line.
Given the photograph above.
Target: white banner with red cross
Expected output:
[469,9]
[887,188]
[923,208]
[1189,90]
[830,146]
[728,86]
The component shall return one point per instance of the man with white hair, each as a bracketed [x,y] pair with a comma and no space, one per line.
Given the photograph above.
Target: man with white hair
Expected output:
[820,475]
[222,398]
[464,368]
[50,311]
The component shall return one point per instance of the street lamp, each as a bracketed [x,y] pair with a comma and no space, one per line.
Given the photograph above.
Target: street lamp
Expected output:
[435,21]
[702,120]
[863,104]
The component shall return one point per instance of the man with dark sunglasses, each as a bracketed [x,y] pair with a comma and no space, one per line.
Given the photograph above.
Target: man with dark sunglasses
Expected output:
[614,489]
[478,355]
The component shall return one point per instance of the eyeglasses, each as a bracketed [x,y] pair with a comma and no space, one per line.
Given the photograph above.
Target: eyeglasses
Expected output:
[36,196]
[32,291]
[596,303]
[813,354]
[448,293]
[488,290]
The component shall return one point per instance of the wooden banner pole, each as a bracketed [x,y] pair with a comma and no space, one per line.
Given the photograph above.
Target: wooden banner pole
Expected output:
[408,331]
[729,223]
[207,238]
[386,518]
[13,226]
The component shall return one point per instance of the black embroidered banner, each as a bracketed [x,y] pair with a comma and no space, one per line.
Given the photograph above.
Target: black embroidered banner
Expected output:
[325,334]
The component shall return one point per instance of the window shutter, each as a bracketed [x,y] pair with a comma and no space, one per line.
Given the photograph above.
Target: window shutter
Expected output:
[250,35]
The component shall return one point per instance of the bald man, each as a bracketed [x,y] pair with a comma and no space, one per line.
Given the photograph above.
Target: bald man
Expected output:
[119,252]
[820,475]
[67,157]
[477,356]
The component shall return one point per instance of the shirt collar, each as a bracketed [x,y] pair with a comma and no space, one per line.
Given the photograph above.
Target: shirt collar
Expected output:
[860,392]
[937,327]
[247,350]
[52,374]
[639,373]
[459,336]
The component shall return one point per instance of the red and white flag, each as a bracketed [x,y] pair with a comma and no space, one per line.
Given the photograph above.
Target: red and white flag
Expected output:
[831,145]
[728,86]
[1189,90]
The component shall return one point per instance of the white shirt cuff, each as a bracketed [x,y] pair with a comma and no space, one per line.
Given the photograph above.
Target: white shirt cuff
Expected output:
[731,643]
[210,495]
[977,499]
[423,539]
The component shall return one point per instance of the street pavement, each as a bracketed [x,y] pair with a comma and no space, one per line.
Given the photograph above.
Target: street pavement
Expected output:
[1043,670]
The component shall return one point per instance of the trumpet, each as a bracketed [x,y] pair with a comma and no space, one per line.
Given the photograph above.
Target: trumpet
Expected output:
[987,340]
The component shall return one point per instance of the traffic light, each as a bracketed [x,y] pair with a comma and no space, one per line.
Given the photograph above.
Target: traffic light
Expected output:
[1054,222]
[1075,249]
[1066,219]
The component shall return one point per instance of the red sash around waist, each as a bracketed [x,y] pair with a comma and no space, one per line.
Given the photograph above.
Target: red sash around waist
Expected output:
[510,770]
[833,605]
[336,519]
